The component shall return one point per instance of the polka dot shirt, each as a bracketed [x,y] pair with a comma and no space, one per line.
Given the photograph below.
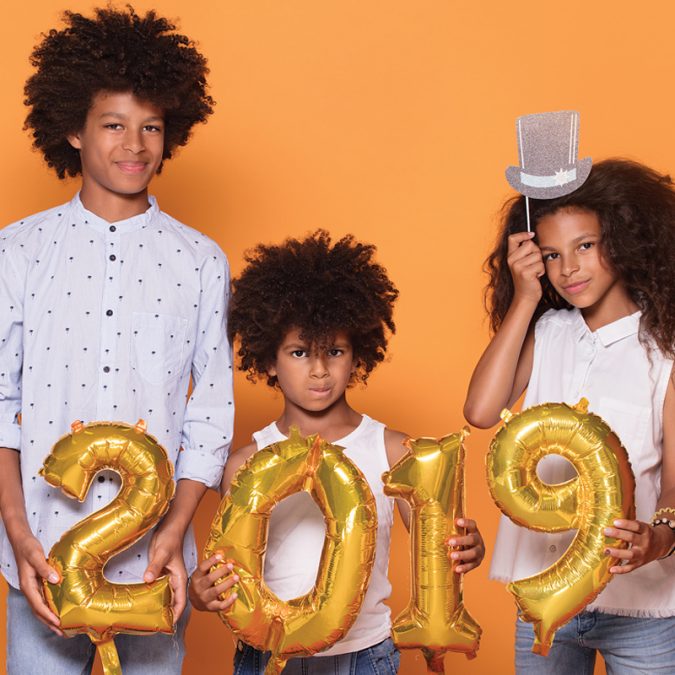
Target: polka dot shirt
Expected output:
[111,321]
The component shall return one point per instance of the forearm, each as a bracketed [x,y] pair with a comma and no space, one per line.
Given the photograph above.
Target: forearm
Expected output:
[183,507]
[493,383]
[12,504]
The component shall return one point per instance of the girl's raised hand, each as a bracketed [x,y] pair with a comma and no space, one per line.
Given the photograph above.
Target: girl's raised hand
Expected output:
[471,547]
[526,265]
[206,586]
[647,543]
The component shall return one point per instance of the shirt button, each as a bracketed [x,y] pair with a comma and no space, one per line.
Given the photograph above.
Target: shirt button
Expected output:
[109,312]
[106,369]
[113,228]
[101,479]
[552,548]
[113,258]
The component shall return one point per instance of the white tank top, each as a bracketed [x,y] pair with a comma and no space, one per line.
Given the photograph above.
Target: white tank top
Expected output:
[297,530]
[612,370]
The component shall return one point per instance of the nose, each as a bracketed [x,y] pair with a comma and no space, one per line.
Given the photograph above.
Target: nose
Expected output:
[569,265]
[133,141]
[319,367]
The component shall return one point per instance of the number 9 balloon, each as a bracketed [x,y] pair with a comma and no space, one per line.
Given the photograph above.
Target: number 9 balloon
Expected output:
[84,600]
[601,492]
[312,622]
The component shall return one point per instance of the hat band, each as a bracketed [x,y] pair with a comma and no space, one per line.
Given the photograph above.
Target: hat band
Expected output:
[559,178]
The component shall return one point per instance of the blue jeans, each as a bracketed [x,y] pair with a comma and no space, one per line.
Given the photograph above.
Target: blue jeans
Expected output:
[380,659]
[629,645]
[33,648]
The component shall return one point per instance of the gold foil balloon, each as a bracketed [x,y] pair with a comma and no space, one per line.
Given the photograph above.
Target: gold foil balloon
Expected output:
[305,625]
[601,492]
[84,600]
[430,477]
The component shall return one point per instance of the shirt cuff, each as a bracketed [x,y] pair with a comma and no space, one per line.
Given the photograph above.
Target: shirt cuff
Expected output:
[199,466]
[10,436]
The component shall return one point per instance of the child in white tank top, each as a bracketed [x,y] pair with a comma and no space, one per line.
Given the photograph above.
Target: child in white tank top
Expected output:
[312,317]
[589,311]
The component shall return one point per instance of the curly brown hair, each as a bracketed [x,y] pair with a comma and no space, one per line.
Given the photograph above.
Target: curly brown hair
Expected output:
[317,287]
[116,51]
[636,209]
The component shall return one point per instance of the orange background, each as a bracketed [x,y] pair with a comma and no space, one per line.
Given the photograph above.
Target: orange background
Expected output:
[393,121]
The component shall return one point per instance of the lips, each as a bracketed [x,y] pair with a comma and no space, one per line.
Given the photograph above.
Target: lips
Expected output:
[131,167]
[576,287]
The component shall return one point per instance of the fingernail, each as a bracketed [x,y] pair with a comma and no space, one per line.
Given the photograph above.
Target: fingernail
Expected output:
[452,542]
[235,577]
[530,234]
[454,556]
[460,521]
[607,531]
[53,578]
[607,551]
[219,556]
[229,566]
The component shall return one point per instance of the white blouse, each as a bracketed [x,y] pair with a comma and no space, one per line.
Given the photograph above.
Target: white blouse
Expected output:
[625,386]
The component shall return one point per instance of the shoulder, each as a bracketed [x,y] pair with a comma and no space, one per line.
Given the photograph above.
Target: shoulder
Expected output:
[21,232]
[555,320]
[200,244]
[396,444]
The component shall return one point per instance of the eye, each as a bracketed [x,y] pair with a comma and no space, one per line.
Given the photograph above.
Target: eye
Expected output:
[153,128]
[336,351]
[298,353]
[550,256]
[586,245]
[113,126]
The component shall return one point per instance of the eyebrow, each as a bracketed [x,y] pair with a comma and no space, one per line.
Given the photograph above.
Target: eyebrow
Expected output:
[576,240]
[121,116]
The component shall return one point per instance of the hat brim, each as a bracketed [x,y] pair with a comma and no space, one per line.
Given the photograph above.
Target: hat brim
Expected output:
[513,176]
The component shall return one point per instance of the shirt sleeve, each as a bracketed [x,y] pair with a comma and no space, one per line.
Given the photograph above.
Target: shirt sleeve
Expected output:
[209,414]
[11,343]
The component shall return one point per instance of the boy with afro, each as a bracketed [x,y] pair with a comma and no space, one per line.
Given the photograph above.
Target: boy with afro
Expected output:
[109,308]
[312,318]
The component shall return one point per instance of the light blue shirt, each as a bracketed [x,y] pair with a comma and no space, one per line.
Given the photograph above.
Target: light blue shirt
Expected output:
[109,321]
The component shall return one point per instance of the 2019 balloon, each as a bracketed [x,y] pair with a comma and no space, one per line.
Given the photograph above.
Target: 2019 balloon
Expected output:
[305,625]
[84,600]
[602,491]
[430,477]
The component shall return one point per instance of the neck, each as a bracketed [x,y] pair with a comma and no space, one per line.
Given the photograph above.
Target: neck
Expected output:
[331,423]
[112,206]
[613,306]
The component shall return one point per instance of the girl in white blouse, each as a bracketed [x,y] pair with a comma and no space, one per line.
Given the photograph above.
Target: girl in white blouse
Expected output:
[585,306]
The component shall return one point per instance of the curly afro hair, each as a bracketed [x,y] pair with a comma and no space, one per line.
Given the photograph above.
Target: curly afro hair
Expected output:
[316,287]
[116,51]
[636,209]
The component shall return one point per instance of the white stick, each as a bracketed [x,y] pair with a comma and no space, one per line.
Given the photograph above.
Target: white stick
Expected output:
[527,211]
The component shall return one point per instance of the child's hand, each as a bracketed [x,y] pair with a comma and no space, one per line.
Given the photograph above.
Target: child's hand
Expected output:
[33,567]
[166,557]
[647,543]
[526,265]
[472,547]
[206,586]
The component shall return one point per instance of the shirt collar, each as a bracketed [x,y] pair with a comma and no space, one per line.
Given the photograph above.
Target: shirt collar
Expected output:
[121,226]
[611,332]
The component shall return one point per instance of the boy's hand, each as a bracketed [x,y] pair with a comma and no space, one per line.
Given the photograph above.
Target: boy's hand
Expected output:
[206,586]
[166,557]
[647,543]
[526,265]
[32,566]
[472,547]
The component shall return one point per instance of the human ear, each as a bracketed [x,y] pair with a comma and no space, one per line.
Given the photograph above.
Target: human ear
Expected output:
[74,140]
[272,370]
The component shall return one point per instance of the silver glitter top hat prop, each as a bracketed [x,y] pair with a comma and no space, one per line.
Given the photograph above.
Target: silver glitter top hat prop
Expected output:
[548,144]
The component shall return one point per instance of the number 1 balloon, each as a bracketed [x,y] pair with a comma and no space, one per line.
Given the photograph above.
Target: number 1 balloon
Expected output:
[430,477]
[600,493]
[84,600]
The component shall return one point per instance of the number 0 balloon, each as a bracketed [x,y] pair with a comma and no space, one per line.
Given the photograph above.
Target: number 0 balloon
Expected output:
[601,492]
[312,622]
[84,600]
